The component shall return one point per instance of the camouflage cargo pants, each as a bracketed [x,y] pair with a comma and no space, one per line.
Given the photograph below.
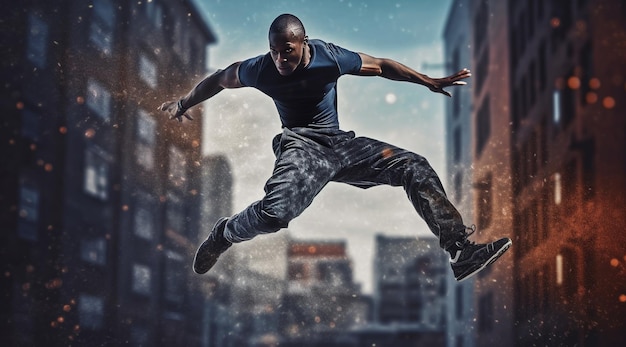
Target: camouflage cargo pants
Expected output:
[307,159]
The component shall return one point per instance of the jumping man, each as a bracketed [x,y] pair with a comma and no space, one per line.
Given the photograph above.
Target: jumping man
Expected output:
[300,75]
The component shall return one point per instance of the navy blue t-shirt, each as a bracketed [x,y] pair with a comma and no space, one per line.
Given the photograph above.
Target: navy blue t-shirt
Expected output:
[307,97]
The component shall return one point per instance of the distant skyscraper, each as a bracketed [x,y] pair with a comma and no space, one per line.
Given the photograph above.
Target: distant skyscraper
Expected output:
[321,297]
[410,282]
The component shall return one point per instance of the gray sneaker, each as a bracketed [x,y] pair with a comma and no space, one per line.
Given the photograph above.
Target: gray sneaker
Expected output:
[470,258]
[211,248]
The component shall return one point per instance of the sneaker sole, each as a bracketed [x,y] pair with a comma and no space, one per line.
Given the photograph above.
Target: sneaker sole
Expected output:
[487,263]
[208,265]
[195,262]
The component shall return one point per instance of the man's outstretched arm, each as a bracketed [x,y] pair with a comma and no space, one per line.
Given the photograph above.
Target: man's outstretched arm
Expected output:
[396,71]
[207,88]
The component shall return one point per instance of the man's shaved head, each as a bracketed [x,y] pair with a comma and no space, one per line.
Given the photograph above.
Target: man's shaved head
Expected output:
[288,23]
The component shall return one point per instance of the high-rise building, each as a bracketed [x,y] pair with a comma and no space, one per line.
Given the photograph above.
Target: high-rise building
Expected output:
[459,157]
[99,192]
[568,159]
[549,80]
[321,297]
[493,199]
[410,282]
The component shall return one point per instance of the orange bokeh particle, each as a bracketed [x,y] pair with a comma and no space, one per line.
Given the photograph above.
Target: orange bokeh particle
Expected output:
[608,102]
[90,133]
[573,82]
[591,98]
[594,83]
[555,22]
[614,262]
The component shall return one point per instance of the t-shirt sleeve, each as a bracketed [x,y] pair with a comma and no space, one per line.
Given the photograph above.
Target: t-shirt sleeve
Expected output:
[349,62]
[249,71]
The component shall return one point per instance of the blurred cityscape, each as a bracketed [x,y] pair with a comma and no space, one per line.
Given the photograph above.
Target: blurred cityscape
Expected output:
[103,201]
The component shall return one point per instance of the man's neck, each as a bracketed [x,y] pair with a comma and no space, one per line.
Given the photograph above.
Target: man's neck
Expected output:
[306,57]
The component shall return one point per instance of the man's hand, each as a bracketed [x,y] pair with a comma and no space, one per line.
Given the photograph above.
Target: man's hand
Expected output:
[438,84]
[175,110]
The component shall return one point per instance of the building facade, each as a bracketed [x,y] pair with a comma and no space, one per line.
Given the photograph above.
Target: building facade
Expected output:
[568,155]
[321,300]
[99,190]
[493,201]
[549,170]
[459,157]
[410,282]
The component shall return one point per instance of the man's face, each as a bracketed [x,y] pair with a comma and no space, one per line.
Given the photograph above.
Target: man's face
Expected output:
[286,50]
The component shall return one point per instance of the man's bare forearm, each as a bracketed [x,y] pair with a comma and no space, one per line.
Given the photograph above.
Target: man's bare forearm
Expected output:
[396,71]
[204,90]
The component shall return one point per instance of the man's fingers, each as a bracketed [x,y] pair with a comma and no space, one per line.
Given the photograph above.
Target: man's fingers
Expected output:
[459,83]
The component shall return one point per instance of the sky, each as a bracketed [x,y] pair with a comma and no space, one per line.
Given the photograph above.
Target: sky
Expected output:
[240,123]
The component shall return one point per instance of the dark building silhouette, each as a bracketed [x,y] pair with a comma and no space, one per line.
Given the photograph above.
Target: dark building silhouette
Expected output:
[100,194]
[550,170]
[410,282]
[321,302]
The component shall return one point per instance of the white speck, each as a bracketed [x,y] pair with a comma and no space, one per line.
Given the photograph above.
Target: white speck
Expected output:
[391,98]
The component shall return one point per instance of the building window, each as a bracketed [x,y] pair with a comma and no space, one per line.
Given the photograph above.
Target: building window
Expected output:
[154,12]
[146,139]
[99,99]
[36,41]
[102,25]
[543,70]
[174,280]
[297,271]
[181,42]
[459,308]
[28,213]
[484,205]
[93,251]
[90,312]
[139,335]
[148,71]
[458,186]
[485,313]
[483,126]
[566,272]
[96,181]
[30,125]
[556,106]
[144,216]
[174,217]
[456,145]
[557,188]
[482,70]
[177,167]
[146,127]
[481,23]
[141,279]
